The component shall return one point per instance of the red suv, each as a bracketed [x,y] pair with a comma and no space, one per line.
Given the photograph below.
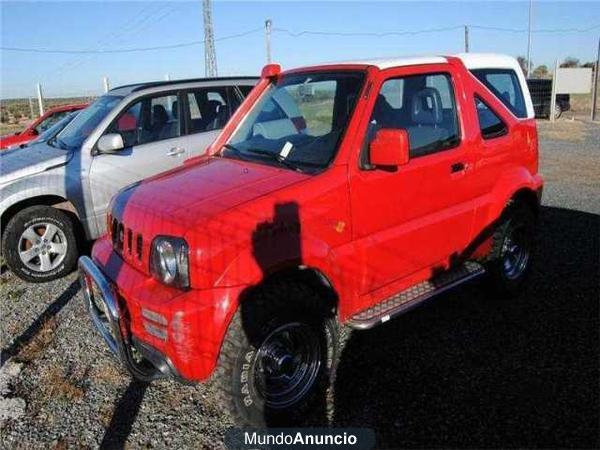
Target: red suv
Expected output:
[40,125]
[337,194]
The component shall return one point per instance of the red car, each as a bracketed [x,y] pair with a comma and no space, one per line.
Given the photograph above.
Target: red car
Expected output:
[407,177]
[40,125]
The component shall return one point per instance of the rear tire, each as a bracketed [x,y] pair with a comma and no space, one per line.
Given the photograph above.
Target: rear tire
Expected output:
[278,355]
[39,244]
[510,260]
[557,111]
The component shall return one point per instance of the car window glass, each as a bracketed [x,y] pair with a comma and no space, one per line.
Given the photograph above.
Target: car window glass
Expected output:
[50,120]
[299,119]
[424,106]
[148,120]
[490,124]
[505,85]
[207,109]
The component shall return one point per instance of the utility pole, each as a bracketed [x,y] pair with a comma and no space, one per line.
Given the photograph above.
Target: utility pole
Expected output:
[595,86]
[168,77]
[529,40]
[106,84]
[553,99]
[31,113]
[210,55]
[466,39]
[268,25]
[40,99]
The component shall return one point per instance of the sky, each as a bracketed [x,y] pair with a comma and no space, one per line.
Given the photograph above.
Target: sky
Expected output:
[117,25]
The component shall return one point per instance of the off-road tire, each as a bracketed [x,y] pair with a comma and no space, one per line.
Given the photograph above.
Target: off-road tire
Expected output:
[515,217]
[24,219]
[269,308]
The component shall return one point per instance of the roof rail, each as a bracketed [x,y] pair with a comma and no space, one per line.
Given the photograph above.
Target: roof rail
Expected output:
[149,84]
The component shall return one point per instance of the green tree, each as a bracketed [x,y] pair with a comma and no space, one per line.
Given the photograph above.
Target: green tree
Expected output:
[541,71]
[569,61]
[523,63]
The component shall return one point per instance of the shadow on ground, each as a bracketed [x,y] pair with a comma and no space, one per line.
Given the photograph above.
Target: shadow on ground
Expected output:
[469,371]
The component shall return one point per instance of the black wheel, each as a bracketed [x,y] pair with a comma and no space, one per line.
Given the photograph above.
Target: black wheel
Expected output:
[557,110]
[39,244]
[510,259]
[278,356]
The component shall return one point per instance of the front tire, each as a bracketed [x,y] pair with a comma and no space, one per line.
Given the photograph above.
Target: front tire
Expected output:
[39,244]
[277,356]
[510,260]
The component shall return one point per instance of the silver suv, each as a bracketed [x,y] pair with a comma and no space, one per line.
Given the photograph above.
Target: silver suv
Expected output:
[54,196]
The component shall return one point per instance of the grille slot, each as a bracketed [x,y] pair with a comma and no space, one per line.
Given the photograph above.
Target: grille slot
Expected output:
[125,240]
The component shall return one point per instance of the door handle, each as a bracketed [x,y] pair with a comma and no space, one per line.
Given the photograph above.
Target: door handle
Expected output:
[457,167]
[176,151]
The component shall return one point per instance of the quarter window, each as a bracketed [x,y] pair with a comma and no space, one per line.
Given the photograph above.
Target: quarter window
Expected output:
[424,106]
[505,85]
[490,124]
[207,109]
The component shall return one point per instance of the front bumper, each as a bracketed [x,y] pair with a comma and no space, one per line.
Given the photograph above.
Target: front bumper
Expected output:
[101,300]
[179,332]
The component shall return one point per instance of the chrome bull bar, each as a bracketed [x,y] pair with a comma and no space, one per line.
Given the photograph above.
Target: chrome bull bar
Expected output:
[101,303]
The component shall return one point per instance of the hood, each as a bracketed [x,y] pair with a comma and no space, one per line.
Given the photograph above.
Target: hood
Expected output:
[175,201]
[23,162]
[15,139]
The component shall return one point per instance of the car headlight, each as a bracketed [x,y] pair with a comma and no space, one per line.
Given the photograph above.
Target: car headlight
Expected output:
[169,261]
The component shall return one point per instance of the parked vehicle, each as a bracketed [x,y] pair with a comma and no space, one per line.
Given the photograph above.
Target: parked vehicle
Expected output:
[50,132]
[55,195]
[410,177]
[40,125]
[541,96]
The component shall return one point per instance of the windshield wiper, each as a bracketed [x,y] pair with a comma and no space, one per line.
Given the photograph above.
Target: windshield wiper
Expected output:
[259,151]
[58,142]
[276,157]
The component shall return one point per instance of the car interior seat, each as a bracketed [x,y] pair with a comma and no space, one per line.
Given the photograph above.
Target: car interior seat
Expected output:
[427,118]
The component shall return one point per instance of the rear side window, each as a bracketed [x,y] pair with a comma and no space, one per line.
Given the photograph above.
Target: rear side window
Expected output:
[505,85]
[490,124]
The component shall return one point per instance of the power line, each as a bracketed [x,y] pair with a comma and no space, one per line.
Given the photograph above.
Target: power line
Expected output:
[299,34]
[127,50]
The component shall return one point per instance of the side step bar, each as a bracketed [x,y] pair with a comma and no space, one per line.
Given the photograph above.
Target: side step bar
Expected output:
[414,296]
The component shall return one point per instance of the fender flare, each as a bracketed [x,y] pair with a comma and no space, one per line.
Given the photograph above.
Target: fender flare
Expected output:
[508,185]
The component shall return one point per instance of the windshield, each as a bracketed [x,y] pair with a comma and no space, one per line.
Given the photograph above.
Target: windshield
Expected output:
[56,128]
[298,122]
[86,121]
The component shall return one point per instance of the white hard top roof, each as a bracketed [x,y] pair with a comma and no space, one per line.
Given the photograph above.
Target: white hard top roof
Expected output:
[471,60]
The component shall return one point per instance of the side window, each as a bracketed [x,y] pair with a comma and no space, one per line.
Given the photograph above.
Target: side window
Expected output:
[490,124]
[505,85]
[148,120]
[237,94]
[50,120]
[207,109]
[423,105]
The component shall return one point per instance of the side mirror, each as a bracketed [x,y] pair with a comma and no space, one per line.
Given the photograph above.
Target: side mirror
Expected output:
[110,143]
[389,148]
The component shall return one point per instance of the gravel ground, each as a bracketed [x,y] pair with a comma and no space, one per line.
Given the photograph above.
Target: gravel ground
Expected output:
[463,371]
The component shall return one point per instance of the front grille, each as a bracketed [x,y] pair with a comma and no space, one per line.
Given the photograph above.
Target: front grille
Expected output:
[123,239]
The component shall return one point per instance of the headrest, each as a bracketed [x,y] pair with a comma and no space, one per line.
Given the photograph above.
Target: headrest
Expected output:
[427,107]
[175,109]
[159,114]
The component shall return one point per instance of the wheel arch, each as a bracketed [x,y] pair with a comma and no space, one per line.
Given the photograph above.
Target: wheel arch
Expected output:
[55,201]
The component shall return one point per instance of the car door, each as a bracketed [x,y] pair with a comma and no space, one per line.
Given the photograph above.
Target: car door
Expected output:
[151,129]
[415,216]
[206,111]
